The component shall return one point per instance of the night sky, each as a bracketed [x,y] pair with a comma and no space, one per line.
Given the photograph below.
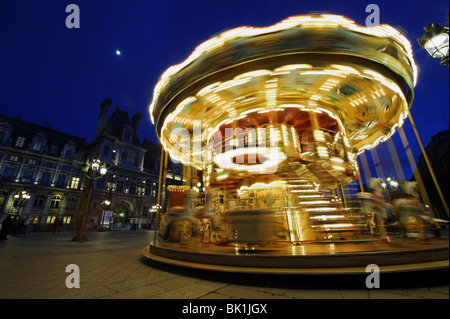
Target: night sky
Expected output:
[52,75]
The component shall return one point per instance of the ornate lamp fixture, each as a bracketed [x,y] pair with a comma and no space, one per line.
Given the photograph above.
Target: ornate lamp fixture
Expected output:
[435,41]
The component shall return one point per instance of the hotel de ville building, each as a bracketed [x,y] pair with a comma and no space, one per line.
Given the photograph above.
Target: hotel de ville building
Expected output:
[43,173]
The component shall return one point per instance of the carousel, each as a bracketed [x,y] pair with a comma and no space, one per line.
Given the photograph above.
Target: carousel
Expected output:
[270,121]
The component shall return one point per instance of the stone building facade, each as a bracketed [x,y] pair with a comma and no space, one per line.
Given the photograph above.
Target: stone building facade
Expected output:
[50,167]
[45,164]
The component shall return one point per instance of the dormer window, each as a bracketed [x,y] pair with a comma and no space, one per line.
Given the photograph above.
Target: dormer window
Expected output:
[68,153]
[20,141]
[38,146]
[126,134]
[68,150]
[39,141]
[5,132]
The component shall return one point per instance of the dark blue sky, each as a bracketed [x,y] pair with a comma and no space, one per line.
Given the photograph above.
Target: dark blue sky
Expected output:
[53,75]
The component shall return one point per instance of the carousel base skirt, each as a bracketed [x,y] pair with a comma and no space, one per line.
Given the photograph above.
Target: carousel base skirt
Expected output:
[349,258]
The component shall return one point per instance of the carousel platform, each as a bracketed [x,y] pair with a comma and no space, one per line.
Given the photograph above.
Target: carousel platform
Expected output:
[397,255]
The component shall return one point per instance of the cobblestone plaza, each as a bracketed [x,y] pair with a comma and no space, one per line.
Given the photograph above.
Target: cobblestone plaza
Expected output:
[112,267]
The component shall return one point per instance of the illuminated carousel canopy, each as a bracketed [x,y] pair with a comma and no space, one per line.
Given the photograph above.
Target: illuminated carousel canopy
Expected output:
[319,86]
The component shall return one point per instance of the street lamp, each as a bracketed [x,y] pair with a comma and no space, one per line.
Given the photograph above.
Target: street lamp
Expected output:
[105,204]
[436,41]
[21,198]
[393,184]
[95,170]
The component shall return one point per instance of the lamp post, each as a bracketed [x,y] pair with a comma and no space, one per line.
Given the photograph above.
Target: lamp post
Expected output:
[21,198]
[105,204]
[393,184]
[436,41]
[94,171]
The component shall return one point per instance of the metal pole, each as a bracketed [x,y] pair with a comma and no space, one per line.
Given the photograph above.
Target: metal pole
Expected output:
[80,232]
[163,195]
[428,164]
[158,209]
[416,172]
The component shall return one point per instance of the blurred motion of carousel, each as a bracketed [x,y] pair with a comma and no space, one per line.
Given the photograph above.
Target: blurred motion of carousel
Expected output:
[269,123]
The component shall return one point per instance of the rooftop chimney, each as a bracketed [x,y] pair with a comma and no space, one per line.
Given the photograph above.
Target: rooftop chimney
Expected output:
[103,116]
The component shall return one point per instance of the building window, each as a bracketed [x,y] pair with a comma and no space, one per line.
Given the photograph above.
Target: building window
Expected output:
[70,205]
[37,146]
[50,164]
[68,153]
[124,157]
[39,200]
[127,136]
[133,188]
[53,149]
[8,174]
[56,200]
[120,185]
[61,181]
[20,141]
[27,176]
[147,190]
[14,158]
[45,178]
[136,160]
[106,149]
[75,182]
[51,219]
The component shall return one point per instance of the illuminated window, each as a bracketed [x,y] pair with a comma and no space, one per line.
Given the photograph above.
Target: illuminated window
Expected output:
[51,219]
[75,182]
[66,219]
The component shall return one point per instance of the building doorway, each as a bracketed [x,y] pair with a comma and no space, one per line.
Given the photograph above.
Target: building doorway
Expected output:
[122,214]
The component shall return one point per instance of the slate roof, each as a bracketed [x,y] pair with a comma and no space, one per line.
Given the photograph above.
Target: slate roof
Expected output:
[115,124]
[28,130]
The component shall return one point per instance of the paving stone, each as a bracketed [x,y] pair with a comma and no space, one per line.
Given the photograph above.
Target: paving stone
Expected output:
[111,267]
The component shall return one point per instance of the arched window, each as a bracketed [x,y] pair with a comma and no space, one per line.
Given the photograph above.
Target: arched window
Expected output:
[56,200]
[68,153]
[39,200]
